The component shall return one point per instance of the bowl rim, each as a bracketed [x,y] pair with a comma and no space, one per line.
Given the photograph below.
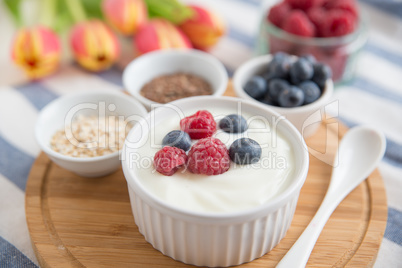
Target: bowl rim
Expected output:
[292,190]
[46,148]
[263,60]
[155,55]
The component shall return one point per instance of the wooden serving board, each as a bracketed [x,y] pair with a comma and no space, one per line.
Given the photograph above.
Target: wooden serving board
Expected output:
[87,222]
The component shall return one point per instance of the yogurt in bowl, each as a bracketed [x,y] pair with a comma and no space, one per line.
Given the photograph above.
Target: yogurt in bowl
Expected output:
[224,219]
[233,190]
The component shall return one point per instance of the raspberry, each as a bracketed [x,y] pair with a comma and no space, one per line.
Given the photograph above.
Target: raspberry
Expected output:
[278,12]
[298,23]
[168,160]
[337,23]
[317,16]
[345,5]
[327,3]
[337,59]
[208,156]
[199,125]
[304,4]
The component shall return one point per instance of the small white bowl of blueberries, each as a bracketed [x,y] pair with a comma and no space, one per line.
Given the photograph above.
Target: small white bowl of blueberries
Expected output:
[296,87]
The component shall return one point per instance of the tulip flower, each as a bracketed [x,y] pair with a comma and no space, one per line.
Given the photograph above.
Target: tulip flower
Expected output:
[160,34]
[94,45]
[126,16]
[37,51]
[204,29]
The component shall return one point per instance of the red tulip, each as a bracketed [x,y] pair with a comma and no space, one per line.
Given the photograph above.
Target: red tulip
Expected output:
[126,16]
[160,34]
[204,29]
[37,51]
[94,45]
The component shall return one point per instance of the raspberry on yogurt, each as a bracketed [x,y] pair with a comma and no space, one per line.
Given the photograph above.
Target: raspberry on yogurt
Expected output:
[169,159]
[199,125]
[208,156]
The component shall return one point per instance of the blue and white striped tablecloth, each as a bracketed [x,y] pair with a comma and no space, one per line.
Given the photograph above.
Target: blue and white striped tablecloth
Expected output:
[374,97]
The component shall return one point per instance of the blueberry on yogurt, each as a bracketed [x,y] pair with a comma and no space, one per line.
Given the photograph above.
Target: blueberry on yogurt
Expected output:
[245,151]
[233,123]
[177,138]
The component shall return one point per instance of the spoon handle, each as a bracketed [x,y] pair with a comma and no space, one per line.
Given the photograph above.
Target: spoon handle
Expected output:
[299,253]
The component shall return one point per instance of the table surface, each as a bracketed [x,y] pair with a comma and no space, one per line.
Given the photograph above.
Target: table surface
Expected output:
[373,97]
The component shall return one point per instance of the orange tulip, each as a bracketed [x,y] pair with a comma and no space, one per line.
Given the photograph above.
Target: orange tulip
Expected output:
[37,51]
[204,29]
[94,45]
[126,16]
[160,34]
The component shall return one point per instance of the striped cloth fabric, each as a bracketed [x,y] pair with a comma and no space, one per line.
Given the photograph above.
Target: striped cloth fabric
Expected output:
[373,97]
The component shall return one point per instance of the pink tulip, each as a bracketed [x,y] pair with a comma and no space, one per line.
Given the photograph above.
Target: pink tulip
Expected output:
[94,45]
[37,51]
[204,29]
[126,16]
[160,34]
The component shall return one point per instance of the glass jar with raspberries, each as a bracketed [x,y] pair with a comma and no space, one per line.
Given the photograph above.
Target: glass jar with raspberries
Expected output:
[332,30]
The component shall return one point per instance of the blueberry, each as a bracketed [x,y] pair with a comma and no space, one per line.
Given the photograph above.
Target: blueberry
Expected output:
[278,67]
[177,138]
[256,87]
[280,56]
[275,87]
[233,123]
[310,58]
[268,100]
[311,91]
[291,97]
[245,151]
[322,73]
[300,71]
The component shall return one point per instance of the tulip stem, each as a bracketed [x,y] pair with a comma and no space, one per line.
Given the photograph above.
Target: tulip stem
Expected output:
[76,9]
[172,10]
[48,13]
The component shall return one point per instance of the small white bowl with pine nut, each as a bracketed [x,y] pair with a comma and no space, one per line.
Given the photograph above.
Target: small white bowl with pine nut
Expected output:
[84,132]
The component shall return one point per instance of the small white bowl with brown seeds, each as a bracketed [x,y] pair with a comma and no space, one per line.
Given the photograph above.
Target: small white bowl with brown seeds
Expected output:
[85,132]
[163,76]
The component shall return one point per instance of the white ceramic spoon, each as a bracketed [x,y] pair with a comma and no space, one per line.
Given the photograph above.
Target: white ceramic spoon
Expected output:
[359,152]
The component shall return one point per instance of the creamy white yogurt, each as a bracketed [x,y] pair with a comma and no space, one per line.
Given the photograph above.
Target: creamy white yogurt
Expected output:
[241,187]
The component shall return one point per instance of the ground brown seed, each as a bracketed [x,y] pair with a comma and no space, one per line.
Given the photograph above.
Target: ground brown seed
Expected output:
[167,88]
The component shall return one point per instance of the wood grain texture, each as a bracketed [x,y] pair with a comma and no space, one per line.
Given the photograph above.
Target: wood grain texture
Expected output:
[87,222]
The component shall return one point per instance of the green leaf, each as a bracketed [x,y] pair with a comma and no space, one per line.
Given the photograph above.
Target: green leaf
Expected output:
[13,7]
[93,8]
[172,10]
[64,19]
[48,12]
[76,10]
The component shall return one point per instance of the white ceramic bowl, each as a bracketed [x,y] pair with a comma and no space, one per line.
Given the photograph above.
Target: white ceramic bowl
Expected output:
[161,62]
[306,118]
[213,239]
[56,114]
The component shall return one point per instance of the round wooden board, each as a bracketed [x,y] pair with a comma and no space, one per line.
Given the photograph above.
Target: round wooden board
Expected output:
[87,222]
